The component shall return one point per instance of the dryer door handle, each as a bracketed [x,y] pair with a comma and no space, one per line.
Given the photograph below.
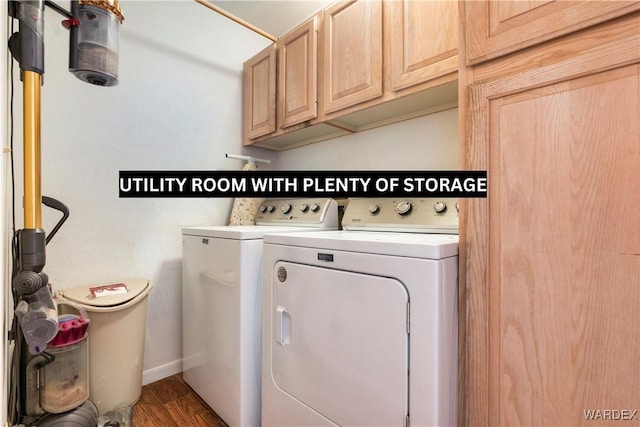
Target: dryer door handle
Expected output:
[283,326]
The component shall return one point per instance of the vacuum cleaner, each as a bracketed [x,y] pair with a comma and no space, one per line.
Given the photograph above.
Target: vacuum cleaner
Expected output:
[49,360]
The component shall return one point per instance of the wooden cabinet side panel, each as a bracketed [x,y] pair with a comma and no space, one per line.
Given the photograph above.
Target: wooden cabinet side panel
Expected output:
[424,40]
[496,28]
[259,94]
[297,76]
[474,217]
[352,50]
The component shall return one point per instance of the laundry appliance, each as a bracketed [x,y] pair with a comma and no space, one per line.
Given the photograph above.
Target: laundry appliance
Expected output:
[360,325]
[222,299]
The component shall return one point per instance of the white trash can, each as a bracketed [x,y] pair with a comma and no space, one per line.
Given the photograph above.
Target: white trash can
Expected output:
[118,314]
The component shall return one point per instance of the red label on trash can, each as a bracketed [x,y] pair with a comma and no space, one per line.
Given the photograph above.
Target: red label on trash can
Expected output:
[108,290]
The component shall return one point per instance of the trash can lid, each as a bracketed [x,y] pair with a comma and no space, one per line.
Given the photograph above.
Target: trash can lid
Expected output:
[108,294]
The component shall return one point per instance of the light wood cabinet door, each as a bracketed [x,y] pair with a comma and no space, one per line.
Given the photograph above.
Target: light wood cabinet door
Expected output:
[259,97]
[352,58]
[424,40]
[495,28]
[297,74]
[553,253]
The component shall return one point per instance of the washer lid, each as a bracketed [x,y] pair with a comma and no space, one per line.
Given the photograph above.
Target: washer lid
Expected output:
[108,294]
[243,232]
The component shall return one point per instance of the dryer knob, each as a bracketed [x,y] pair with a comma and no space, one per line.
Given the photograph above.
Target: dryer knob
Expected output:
[404,208]
[270,208]
[304,207]
[457,206]
[286,208]
[315,207]
[439,207]
[374,209]
[263,208]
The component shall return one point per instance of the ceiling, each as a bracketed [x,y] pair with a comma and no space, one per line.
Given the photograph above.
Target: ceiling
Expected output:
[275,17]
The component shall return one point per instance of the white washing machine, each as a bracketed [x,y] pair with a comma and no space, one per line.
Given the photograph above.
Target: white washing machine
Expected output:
[221,296]
[360,327]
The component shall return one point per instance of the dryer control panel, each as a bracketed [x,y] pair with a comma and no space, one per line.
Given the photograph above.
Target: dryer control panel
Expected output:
[422,215]
[298,212]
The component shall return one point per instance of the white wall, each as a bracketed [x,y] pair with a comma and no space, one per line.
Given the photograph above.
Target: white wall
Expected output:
[177,107]
[424,143]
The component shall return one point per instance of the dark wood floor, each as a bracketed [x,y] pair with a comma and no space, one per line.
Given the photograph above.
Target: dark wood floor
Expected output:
[172,403]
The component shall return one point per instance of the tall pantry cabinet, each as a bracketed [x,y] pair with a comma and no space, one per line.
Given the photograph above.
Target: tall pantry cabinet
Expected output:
[551,302]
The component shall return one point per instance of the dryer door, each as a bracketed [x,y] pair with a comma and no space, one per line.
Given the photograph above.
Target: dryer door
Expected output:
[341,343]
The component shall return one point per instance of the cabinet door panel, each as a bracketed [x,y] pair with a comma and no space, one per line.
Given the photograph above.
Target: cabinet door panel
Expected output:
[565,274]
[495,28]
[424,40]
[297,77]
[259,85]
[352,70]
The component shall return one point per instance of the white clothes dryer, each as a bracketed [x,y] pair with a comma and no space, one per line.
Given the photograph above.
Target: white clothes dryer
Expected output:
[360,327]
[221,296]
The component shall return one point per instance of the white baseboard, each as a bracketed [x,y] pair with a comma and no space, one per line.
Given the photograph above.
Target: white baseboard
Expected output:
[162,371]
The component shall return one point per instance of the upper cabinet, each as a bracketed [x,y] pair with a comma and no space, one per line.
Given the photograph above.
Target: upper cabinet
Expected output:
[495,28]
[357,64]
[298,74]
[424,41]
[294,77]
[259,86]
[352,69]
